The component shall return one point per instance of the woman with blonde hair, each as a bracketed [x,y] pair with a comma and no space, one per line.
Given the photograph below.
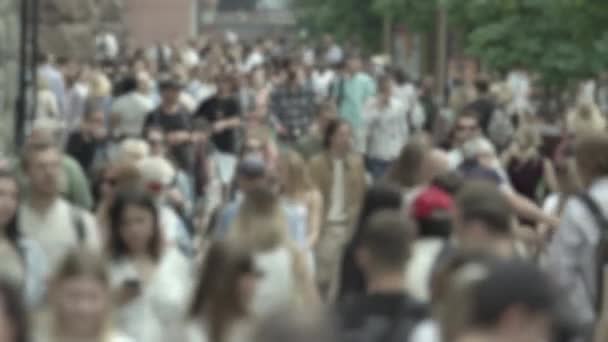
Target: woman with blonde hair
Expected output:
[585,118]
[301,195]
[526,167]
[79,303]
[100,93]
[261,227]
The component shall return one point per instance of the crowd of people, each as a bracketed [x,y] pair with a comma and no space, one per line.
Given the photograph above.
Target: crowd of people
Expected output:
[229,191]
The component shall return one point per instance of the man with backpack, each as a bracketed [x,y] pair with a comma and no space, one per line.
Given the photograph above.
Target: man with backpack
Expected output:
[47,218]
[386,313]
[577,252]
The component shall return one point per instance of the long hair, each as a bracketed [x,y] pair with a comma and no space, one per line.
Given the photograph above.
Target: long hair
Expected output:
[298,180]
[382,196]
[117,246]
[261,224]
[11,231]
[217,296]
[405,171]
[12,305]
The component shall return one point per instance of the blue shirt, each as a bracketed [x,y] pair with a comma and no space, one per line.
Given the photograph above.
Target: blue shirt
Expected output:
[230,211]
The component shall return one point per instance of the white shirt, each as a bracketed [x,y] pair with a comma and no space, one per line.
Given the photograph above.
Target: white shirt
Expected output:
[158,313]
[133,108]
[337,207]
[55,230]
[277,288]
[386,129]
[190,57]
[519,84]
[334,55]
[75,105]
[322,81]
[253,60]
[420,267]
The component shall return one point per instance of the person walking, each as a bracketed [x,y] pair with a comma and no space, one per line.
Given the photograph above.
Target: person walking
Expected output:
[340,175]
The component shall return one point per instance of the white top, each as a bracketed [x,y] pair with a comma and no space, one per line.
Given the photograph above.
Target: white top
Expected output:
[322,81]
[277,288]
[386,128]
[75,105]
[240,331]
[190,57]
[157,314]
[337,206]
[55,230]
[133,108]
[420,267]
[551,203]
[426,331]
[253,60]
[334,55]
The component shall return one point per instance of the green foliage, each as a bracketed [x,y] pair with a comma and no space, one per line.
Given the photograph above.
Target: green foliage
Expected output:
[362,20]
[562,40]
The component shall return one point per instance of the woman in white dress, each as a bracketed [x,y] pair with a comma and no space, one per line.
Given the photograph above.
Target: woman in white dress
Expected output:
[303,198]
[220,310]
[150,280]
[261,226]
[79,303]
[23,261]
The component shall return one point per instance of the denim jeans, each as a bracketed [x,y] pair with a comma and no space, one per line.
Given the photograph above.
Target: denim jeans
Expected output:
[377,167]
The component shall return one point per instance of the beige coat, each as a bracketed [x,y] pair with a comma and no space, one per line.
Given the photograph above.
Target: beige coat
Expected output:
[321,170]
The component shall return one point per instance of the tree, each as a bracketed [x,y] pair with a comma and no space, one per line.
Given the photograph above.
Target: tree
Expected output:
[362,20]
[561,40]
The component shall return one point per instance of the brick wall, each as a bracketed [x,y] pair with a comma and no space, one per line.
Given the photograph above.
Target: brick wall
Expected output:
[166,20]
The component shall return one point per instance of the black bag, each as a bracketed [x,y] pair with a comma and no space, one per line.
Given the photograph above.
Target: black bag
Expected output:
[602,248]
[382,328]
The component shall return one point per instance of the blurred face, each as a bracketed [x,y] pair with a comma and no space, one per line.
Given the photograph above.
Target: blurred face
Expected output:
[44,172]
[156,140]
[341,141]
[96,125]
[108,185]
[520,325]
[170,97]
[82,305]
[137,228]
[355,65]
[8,200]
[466,128]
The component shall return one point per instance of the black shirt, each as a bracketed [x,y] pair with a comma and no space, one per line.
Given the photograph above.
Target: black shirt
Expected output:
[484,108]
[386,317]
[168,122]
[83,149]
[216,109]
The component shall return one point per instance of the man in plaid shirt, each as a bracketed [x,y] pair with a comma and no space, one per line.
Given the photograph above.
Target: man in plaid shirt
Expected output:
[292,106]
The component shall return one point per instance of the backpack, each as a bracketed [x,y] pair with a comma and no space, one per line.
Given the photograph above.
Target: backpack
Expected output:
[380,328]
[602,248]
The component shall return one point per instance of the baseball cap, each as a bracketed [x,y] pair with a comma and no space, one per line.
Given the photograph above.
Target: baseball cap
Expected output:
[252,166]
[431,201]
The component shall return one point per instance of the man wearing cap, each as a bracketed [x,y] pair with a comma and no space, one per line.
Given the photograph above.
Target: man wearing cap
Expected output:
[432,209]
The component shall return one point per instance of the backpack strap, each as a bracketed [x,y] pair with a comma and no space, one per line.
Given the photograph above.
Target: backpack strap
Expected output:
[602,249]
[79,225]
